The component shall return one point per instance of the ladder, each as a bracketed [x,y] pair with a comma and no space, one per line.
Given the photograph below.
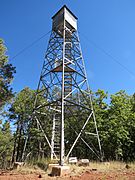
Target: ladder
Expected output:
[67,85]
[55,142]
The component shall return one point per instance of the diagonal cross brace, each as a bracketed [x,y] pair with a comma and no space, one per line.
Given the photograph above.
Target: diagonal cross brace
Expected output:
[45,136]
[85,143]
[79,135]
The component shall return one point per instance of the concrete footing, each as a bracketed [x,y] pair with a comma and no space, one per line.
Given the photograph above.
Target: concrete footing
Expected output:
[58,170]
[18,165]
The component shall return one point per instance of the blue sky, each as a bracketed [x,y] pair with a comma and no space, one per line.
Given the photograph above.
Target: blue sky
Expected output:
[110,24]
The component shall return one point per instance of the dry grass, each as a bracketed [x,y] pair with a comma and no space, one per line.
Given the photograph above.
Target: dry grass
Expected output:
[104,168]
[113,166]
[28,169]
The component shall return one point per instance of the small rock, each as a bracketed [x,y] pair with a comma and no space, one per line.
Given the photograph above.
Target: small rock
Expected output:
[127,166]
[84,162]
[88,171]
[72,160]
[39,176]
[94,169]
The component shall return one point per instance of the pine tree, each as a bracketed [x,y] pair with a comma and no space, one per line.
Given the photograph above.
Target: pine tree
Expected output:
[6,76]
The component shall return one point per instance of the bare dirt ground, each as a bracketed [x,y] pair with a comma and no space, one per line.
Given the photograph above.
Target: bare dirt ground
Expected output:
[83,176]
[109,171]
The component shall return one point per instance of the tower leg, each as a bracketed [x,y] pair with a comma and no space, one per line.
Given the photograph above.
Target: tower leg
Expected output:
[62,104]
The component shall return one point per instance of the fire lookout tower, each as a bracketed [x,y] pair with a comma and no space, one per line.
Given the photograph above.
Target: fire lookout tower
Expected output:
[64,86]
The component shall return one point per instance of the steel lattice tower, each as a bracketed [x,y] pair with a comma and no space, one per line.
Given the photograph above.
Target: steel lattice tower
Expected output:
[63,84]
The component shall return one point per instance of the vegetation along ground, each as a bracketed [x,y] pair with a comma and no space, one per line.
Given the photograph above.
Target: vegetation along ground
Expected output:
[95,171]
